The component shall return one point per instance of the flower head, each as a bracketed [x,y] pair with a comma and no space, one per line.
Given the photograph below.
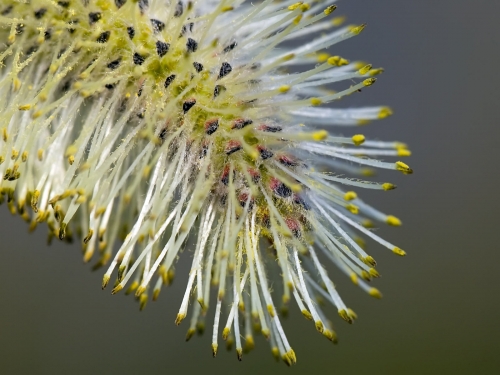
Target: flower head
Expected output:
[160,126]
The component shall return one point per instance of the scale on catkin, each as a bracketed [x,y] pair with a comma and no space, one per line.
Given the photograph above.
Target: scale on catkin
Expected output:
[153,127]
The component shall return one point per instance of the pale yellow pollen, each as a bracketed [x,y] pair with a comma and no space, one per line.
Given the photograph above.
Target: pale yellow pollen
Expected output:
[399,251]
[352,208]
[358,139]
[330,9]
[369,81]
[393,220]
[365,69]
[316,101]
[337,21]
[385,112]
[295,6]
[403,152]
[357,29]
[284,89]
[400,166]
[374,292]
[388,186]
[320,135]
[350,195]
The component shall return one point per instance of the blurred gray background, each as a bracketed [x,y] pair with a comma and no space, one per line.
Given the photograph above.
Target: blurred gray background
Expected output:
[440,311]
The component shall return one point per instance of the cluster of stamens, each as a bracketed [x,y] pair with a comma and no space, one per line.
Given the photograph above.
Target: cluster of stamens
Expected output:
[172,125]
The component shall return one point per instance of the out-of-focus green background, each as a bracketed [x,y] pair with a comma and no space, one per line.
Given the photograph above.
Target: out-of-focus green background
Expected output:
[440,311]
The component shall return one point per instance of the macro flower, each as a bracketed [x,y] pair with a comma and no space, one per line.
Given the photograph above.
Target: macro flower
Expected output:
[153,128]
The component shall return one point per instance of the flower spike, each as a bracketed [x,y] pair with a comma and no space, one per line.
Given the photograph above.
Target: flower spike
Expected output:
[147,128]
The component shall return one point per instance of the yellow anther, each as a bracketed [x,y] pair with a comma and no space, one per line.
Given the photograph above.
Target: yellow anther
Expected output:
[343,62]
[227,9]
[330,335]
[320,135]
[369,81]
[140,290]
[42,96]
[71,159]
[225,333]
[357,29]
[284,89]
[266,333]
[132,287]
[330,9]
[352,314]
[369,261]
[296,5]
[180,318]
[319,326]
[275,352]
[365,275]
[105,281]
[350,195]
[385,112]
[99,212]
[24,107]
[393,220]
[337,21]
[365,69]
[88,237]
[14,154]
[34,200]
[190,333]
[307,314]
[201,301]
[5,135]
[297,19]
[400,166]
[374,292]
[220,295]
[399,145]
[81,199]
[374,272]
[376,71]
[354,278]
[403,152]
[358,139]
[270,310]
[214,350]
[344,315]
[291,355]
[360,241]
[17,84]
[388,186]
[353,209]
[249,342]
[305,7]
[322,57]
[334,60]
[316,101]
[288,57]
[399,251]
